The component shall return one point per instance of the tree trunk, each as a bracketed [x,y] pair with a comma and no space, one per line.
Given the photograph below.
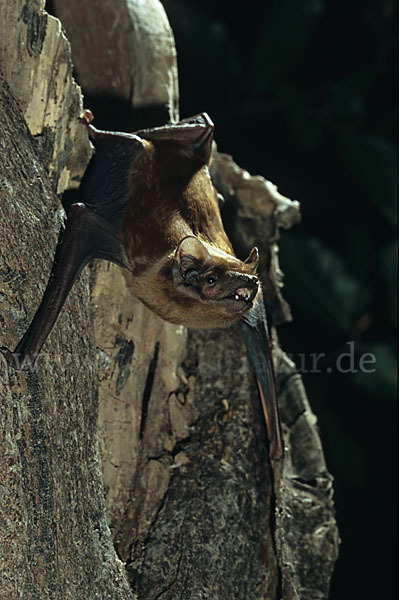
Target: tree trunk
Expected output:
[194,507]
[54,538]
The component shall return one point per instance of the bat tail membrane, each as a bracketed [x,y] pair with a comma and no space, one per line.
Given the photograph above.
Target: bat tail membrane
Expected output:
[86,236]
[254,330]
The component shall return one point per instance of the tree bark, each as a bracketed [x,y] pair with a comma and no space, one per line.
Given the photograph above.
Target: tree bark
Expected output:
[194,506]
[54,537]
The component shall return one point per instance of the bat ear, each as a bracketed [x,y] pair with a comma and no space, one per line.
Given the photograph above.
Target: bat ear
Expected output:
[191,253]
[194,136]
[253,258]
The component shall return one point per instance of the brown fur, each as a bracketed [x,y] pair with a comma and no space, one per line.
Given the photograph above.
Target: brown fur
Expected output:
[168,205]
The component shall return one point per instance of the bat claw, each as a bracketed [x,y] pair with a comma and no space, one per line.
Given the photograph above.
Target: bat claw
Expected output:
[13,360]
[8,355]
[276,450]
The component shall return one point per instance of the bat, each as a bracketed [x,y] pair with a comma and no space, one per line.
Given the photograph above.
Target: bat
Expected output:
[148,204]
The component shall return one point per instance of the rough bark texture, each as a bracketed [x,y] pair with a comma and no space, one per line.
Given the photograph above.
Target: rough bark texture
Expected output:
[194,507]
[54,538]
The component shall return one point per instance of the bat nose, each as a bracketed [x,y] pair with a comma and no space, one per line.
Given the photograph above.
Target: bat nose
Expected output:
[250,279]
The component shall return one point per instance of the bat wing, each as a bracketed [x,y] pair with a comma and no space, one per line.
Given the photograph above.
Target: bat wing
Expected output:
[92,231]
[106,184]
[254,330]
[93,228]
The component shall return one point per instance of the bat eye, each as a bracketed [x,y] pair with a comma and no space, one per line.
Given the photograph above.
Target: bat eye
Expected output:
[191,277]
[211,280]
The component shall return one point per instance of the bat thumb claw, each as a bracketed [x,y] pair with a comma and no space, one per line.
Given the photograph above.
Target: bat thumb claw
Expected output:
[14,360]
[7,355]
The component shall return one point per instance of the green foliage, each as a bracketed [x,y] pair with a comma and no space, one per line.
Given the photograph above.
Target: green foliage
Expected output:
[325,291]
[384,381]
[373,164]
[288,26]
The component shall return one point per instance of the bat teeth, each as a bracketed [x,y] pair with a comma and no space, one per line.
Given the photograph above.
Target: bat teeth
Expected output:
[243,294]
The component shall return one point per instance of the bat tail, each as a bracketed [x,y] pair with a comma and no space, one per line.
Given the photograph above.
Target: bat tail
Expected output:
[273,423]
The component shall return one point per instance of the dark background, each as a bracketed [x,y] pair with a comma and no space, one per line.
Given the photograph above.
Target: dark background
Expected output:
[302,92]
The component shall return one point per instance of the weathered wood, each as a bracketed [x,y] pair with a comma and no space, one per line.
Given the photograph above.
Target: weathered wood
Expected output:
[306,531]
[123,50]
[36,63]
[54,538]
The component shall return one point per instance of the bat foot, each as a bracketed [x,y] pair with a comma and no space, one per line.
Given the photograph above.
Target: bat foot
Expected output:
[15,360]
[276,451]
[276,448]
[87,116]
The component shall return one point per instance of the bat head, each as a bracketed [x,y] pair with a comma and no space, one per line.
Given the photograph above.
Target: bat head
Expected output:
[215,279]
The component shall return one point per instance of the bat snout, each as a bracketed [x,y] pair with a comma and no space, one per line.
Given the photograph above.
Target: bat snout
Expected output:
[251,279]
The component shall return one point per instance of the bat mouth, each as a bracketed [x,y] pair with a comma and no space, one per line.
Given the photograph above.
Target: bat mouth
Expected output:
[245,290]
[244,294]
